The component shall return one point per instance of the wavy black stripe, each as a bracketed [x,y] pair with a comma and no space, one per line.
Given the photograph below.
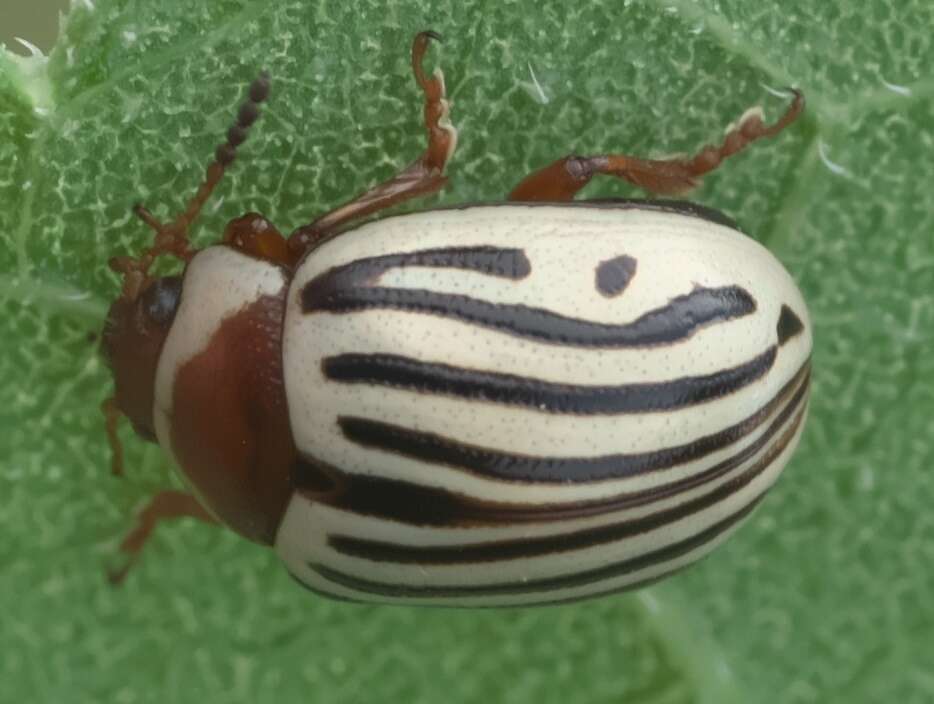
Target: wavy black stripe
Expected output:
[678,320]
[499,550]
[567,581]
[496,464]
[549,397]
[353,287]
[416,504]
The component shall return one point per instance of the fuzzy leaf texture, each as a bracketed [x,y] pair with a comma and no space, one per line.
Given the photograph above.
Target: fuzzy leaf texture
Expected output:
[824,596]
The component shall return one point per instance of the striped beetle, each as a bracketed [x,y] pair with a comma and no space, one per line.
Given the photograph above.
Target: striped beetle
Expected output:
[524,402]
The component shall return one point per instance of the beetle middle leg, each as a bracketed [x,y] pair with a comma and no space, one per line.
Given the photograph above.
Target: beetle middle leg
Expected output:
[423,176]
[561,180]
[165,505]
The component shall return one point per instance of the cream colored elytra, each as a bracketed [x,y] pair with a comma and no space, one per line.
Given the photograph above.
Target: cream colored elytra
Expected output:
[707,463]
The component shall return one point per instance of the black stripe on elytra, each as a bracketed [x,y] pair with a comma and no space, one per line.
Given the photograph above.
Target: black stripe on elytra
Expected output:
[549,397]
[492,261]
[495,464]
[550,601]
[499,550]
[628,587]
[318,592]
[353,287]
[614,275]
[566,581]
[416,504]
[789,325]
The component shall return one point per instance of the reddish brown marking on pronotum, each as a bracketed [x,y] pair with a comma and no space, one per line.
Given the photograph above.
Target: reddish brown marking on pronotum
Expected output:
[230,423]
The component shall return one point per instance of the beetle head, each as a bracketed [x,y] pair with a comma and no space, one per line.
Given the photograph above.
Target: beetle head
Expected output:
[134,332]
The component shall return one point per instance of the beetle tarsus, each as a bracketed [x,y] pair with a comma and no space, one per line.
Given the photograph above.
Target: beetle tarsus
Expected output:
[116,575]
[423,176]
[563,179]
[111,419]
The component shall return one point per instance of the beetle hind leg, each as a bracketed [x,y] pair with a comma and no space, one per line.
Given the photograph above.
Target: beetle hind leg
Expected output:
[164,506]
[111,420]
[561,180]
[423,176]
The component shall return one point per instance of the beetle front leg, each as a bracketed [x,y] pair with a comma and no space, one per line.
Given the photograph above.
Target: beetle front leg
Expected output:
[111,419]
[561,180]
[423,176]
[164,506]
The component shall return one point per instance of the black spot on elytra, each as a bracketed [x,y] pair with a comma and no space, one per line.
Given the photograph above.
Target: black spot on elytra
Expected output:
[614,275]
[789,325]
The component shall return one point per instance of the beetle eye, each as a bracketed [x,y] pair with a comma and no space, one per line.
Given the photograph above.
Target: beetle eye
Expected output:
[160,299]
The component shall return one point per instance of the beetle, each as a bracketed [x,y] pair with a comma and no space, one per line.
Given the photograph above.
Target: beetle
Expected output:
[525,402]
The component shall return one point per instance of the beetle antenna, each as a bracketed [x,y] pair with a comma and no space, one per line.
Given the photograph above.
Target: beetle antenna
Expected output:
[225,154]
[173,238]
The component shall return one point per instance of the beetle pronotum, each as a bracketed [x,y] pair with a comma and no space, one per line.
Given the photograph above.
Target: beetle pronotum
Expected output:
[510,403]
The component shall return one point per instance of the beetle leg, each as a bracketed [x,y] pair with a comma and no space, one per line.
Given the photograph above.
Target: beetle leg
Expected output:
[255,236]
[423,176]
[561,180]
[164,506]
[111,419]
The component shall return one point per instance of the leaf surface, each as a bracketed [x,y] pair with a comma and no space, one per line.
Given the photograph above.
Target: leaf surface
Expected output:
[824,596]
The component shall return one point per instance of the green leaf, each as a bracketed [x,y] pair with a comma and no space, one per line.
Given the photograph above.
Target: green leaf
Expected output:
[824,596]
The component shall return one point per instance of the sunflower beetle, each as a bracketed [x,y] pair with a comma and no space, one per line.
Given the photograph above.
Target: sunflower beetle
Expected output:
[524,402]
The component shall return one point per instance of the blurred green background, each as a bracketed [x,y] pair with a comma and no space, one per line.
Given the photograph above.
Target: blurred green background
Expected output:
[824,596]
[36,22]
